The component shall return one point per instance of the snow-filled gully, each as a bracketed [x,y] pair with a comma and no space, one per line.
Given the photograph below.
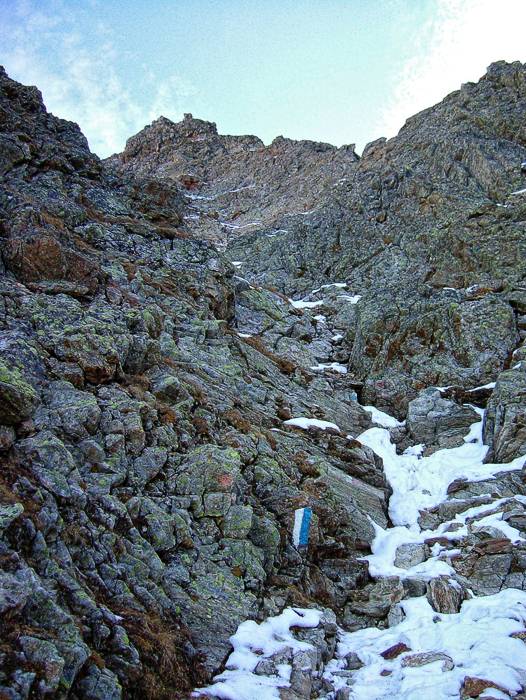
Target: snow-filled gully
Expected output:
[443,649]
[439,650]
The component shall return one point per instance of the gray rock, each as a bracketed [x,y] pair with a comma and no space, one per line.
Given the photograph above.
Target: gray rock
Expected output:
[437,422]
[17,398]
[505,419]
[14,591]
[237,522]
[408,555]
[100,684]
[43,655]
[8,513]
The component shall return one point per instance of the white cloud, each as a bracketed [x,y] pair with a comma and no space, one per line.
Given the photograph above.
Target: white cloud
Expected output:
[80,79]
[455,46]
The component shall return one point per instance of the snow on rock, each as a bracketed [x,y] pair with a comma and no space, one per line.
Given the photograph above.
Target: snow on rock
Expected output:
[251,644]
[300,304]
[307,423]
[427,654]
[338,285]
[335,366]
[490,385]
[386,542]
[383,419]
[421,482]
[231,226]
[351,298]
[443,649]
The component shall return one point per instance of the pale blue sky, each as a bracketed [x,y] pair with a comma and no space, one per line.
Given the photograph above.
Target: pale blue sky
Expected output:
[342,71]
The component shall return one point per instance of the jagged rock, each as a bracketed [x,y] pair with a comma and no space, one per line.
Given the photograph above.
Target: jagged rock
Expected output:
[445,595]
[41,259]
[437,422]
[14,591]
[248,174]
[100,684]
[505,419]
[148,485]
[8,513]
[378,599]
[17,398]
[44,656]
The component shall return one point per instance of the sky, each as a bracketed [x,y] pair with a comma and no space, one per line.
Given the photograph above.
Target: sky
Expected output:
[339,71]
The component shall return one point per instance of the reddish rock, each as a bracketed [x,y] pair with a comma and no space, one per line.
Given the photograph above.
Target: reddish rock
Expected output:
[445,595]
[394,651]
[456,485]
[494,546]
[473,686]
[41,258]
[428,657]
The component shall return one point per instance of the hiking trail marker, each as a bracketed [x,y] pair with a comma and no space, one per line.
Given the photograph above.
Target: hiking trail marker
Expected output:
[300,533]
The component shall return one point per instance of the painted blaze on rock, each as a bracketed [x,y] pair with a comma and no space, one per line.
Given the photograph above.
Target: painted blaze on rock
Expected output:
[300,534]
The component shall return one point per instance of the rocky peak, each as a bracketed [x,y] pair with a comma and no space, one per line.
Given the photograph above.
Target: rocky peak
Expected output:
[236,184]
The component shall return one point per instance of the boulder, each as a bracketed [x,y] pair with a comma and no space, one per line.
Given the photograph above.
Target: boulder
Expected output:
[437,422]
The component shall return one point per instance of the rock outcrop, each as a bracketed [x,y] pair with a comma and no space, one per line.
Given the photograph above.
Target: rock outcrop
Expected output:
[235,184]
[193,335]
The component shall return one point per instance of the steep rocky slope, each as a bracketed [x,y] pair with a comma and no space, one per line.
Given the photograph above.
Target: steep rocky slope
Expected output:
[162,417]
[431,234]
[146,503]
[236,184]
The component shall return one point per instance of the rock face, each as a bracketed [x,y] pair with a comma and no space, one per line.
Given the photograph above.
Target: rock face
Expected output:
[148,481]
[149,470]
[431,235]
[438,422]
[235,184]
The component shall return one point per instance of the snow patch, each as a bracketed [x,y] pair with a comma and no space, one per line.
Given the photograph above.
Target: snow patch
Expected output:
[233,227]
[253,642]
[383,419]
[335,366]
[476,640]
[490,385]
[351,298]
[300,304]
[338,285]
[421,482]
[307,423]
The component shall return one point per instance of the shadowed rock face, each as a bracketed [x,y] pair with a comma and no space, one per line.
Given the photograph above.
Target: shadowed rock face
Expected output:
[235,184]
[149,478]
